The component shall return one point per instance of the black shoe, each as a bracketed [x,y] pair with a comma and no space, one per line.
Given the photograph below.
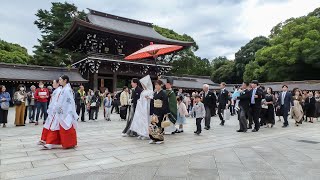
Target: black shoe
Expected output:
[83,121]
[206,128]
[221,124]
[173,133]
[239,130]
[181,131]
[284,126]
[195,132]
[177,131]
[254,130]
[198,133]
[250,127]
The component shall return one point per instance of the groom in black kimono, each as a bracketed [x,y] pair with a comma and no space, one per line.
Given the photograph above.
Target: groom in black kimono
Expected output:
[136,91]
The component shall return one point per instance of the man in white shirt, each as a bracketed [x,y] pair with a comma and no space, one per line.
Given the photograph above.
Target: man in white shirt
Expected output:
[285,100]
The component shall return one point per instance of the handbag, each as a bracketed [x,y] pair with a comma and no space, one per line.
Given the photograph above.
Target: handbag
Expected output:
[226,114]
[4,106]
[123,108]
[94,104]
[165,123]
[17,102]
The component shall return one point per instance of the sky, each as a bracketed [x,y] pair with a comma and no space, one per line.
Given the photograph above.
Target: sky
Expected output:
[220,27]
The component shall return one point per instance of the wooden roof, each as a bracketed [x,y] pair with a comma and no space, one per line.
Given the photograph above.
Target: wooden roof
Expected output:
[190,82]
[18,72]
[117,25]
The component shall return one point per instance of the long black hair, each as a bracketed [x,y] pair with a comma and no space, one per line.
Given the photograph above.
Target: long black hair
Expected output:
[65,77]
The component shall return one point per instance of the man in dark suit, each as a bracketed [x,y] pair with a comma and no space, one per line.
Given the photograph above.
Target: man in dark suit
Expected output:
[80,100]
[284,101]
[256,95]
[209,100]
[244,105]
[136,91]
[223,99]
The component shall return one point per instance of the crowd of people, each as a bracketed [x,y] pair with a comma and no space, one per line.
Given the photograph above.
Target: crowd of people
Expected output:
[154,109]
[257,106]
[57,106]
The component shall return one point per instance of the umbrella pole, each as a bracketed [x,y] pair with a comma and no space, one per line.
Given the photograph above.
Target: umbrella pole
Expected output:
[157,72]
[155,62]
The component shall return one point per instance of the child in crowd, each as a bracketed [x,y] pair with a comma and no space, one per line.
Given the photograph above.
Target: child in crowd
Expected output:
[155,133]
[235,99]
[107,104]
[182,113]
[200,113]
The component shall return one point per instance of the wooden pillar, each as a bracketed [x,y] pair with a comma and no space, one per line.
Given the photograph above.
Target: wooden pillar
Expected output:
[114,82]
[95,81]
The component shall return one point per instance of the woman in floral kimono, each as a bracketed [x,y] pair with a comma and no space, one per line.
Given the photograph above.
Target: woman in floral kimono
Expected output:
[297,111]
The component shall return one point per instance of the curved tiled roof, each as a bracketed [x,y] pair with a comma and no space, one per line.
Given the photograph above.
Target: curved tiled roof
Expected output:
[18,72]
[120,26]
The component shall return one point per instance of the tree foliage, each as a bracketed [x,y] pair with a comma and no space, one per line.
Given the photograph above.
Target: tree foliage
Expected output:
[223,70]
[53,24]
[293,54]
[13,53]
[169,33]
[185,61]
[247,54]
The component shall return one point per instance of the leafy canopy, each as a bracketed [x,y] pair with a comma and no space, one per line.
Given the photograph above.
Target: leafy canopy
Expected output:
[53,24]
[293,54]
[246,54]
[13,53]
[185,61]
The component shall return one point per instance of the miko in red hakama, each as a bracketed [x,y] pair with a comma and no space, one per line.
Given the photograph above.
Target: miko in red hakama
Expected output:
[59,128]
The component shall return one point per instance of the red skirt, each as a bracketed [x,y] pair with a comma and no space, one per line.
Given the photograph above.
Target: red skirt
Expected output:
[44,134]
[68,137]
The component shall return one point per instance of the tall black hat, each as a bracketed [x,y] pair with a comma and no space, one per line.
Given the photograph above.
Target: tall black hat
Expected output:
[170,80]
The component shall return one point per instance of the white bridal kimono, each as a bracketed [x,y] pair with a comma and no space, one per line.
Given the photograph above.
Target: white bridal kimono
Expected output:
[141,118]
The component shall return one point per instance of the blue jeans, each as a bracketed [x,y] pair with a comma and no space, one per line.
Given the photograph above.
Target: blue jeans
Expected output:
[43,106]
[32,110]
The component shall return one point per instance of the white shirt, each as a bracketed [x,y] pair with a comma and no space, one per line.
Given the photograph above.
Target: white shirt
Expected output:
[283,97]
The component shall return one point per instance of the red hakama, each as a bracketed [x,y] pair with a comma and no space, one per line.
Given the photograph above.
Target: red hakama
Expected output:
[67,138]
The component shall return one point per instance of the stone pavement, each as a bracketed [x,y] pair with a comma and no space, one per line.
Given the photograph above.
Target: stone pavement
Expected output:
[220,153]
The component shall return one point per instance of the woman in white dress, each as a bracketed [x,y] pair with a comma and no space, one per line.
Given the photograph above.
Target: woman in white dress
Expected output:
[141,118]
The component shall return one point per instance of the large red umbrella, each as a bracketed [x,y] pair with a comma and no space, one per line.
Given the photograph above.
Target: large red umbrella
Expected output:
[153,50]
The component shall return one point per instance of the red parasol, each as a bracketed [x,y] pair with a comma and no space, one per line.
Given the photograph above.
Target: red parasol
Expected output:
[153,50]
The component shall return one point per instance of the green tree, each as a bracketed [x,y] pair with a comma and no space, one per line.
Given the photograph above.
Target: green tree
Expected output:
[169,33]
[247,54]
[185,61]
[53,24]
[13,53]
[223,70]
[294,52]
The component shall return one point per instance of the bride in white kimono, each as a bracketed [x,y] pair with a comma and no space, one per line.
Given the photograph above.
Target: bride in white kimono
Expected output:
[141,118]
